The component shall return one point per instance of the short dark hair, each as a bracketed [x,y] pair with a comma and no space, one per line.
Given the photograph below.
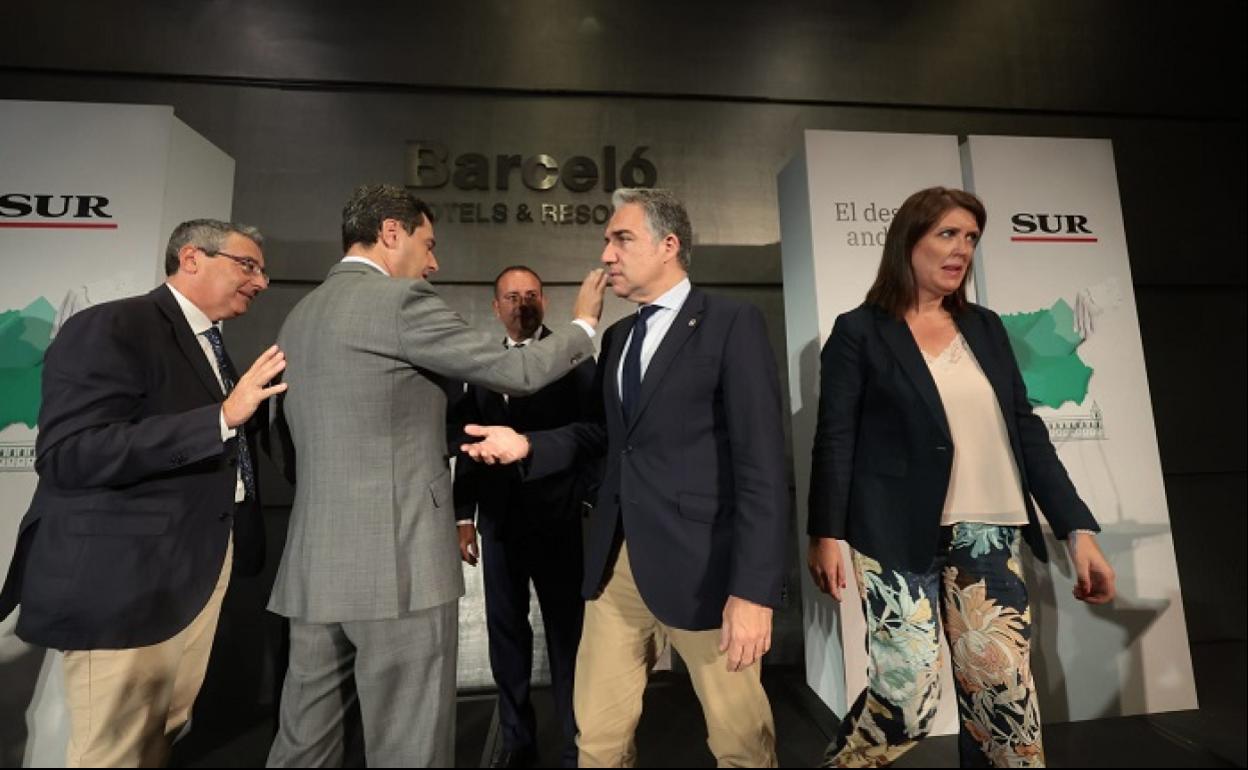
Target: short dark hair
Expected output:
[894,289]
[206,234]
[515,269]
[372,204]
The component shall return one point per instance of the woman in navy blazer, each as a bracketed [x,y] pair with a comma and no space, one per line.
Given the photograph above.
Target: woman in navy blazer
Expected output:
[926,458]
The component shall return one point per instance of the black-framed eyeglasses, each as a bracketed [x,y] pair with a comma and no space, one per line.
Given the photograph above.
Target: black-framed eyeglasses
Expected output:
[250,266]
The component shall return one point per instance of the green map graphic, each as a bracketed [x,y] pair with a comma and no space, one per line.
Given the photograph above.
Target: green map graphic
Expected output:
[24,336]
[1045,344]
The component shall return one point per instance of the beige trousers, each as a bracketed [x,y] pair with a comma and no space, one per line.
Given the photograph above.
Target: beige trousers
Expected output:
[126,706]
[619,645]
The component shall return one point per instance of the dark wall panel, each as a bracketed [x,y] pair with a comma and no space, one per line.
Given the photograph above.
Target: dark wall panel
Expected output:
[1061,55]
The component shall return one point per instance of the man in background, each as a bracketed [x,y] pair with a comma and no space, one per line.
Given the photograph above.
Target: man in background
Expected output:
[529,531]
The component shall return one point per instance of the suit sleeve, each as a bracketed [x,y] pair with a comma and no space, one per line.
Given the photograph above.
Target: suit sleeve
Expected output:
[92,432]
[754,413]
[434,337]
[1046,476]
[468,473]
[585,441]
[836,432]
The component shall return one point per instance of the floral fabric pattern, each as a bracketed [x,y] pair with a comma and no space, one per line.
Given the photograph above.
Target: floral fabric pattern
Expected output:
[976,585]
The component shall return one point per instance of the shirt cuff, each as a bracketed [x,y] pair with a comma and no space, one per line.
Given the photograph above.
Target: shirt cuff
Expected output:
[227,432]
[464,523]
[1072,539]
[588,329]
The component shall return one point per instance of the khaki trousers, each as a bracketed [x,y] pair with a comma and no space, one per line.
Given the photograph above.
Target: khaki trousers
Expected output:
[619,645]
[127,706]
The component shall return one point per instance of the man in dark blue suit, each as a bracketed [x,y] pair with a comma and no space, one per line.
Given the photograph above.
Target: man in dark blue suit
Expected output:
[146,496]
[687,543]
[529,531]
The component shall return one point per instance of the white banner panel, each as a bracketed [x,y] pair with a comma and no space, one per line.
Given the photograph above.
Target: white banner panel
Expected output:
[837,197]
[88,196]
[1053,262]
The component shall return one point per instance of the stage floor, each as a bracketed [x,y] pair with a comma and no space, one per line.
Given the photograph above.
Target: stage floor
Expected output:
[672,733]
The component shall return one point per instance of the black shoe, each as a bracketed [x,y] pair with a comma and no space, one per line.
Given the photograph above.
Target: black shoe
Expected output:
[522,757]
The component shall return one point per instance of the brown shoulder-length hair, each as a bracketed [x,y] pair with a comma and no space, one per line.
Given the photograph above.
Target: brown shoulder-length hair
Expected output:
[894,290]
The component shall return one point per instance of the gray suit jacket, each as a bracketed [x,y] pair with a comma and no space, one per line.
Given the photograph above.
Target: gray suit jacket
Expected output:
[372,531]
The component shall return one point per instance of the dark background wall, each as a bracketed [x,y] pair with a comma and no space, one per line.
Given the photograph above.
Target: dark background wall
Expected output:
[311,101]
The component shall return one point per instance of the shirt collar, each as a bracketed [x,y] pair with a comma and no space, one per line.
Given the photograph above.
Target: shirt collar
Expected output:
[366,261]
[674,298]
[198,320]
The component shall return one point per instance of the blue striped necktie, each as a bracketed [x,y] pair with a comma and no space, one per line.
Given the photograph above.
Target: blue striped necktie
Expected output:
[228,378]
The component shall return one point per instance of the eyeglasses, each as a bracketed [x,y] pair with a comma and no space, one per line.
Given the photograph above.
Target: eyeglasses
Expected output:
[250,266]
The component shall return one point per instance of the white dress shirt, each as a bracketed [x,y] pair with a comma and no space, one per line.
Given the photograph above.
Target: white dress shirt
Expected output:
[669,305]
[201,323]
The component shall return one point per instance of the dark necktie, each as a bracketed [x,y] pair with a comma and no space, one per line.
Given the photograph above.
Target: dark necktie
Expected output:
[228,378]
[630,389]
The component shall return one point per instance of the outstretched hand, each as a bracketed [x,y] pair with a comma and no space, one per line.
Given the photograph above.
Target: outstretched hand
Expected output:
[499,444]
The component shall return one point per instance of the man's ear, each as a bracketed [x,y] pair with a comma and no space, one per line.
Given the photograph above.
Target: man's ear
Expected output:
[188,259]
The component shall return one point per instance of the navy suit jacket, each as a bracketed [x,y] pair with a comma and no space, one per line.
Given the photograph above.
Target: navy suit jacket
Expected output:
[127,531]
[883,452]
[695,481]
[506,506]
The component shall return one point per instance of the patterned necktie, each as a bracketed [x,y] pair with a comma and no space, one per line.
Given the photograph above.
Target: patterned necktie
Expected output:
[228,378]
[630,389]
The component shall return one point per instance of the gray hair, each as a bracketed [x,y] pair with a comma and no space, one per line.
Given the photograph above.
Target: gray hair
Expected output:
[206,234]
[665,215]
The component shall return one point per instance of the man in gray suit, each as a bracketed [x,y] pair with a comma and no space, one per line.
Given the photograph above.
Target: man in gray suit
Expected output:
[370,574]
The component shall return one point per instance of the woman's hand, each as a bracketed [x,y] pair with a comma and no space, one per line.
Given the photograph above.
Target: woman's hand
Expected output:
[1094,578]
[827,566]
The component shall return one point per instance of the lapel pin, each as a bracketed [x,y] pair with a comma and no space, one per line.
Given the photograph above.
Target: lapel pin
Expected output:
[693,322]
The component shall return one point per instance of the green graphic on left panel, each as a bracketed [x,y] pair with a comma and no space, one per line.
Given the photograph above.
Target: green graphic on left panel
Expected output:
[24,336]
[1046,344]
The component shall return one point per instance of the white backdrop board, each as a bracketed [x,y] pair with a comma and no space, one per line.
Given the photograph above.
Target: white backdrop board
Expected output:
[1053,262]
[837,197]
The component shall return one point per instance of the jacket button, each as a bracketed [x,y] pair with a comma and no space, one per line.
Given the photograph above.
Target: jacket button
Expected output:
[628,449]
[576,358]
[942,449]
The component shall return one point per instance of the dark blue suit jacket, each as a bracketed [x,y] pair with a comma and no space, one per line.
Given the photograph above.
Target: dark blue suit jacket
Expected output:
[696,480]
[883,452]
[507,506]
[126,534]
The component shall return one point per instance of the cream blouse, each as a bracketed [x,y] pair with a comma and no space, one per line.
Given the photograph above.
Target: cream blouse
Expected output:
[984,486]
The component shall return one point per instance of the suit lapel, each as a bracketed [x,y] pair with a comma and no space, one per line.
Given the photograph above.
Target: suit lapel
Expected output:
[976,335]
[186,341]
[901,342]
[618,338]
[686,323]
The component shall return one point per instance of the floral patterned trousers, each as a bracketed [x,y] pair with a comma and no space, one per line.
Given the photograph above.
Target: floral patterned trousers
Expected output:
[978,581]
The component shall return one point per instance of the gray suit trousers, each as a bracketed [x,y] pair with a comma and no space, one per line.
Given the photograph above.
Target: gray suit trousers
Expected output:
[401,671]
